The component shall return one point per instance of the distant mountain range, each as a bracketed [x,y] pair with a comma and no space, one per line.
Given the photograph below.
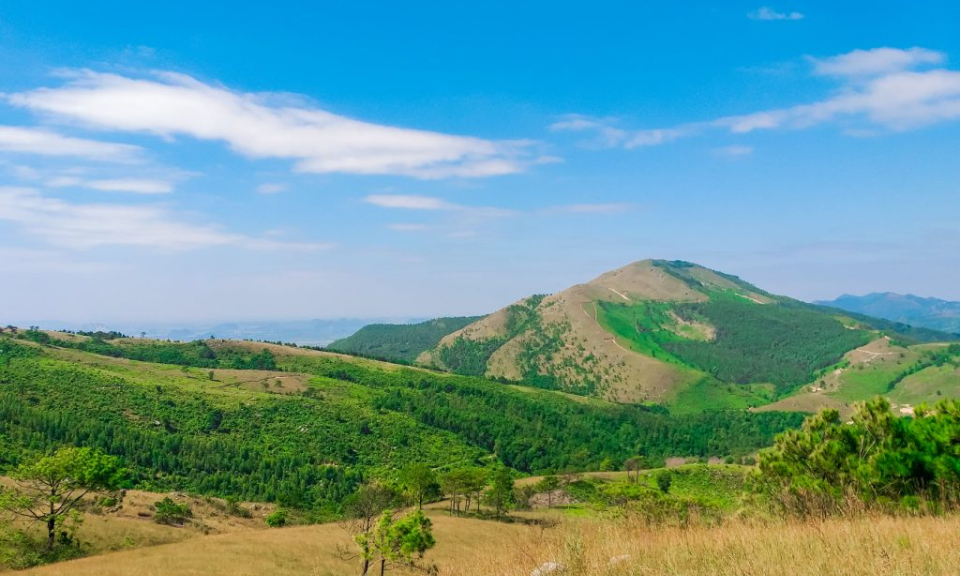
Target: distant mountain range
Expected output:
[932,313]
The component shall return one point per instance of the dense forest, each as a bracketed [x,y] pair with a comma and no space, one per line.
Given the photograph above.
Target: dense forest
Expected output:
[783,343]
[182,429]
[400,342]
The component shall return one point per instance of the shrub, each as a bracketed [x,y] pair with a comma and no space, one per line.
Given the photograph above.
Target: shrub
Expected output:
[170,513]
[277,518]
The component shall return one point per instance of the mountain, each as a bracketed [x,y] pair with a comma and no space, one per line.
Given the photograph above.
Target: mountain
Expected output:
[400,342]
[666,332]
[932,313]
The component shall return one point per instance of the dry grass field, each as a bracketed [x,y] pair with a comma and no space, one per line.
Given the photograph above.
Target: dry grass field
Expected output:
[300,550]
[869,546]
[865,546]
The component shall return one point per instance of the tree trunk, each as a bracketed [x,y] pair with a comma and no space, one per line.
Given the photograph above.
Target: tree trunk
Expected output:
[383,566]
[51,532]
[366,567]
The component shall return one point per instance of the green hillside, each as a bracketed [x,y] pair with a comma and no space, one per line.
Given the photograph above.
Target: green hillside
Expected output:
[400,342]
[666,332]
[307,430]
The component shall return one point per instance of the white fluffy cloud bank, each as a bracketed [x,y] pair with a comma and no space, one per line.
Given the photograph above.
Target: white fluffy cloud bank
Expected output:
[267,126]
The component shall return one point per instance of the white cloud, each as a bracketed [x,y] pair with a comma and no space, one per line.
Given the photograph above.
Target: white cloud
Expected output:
[407,227]
[84,226]
[409,202]
[413,202]
[133,185]
[271,188]
[876,61]
[262,126]
[733,151]
[137,186]
[769,14]
[878,89]
[63,182]
[46,143]
[608,136]
[593,208]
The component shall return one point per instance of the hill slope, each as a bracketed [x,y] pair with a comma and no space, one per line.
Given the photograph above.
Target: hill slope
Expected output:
[400,342]
[932,313]
[304,427]
[666,332]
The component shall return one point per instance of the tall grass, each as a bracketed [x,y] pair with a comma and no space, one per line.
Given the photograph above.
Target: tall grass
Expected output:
[862,546]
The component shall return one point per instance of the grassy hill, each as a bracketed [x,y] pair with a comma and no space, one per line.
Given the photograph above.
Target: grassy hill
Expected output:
[671,333]
[126,544]
[400,342]
[304,428]
[932,313]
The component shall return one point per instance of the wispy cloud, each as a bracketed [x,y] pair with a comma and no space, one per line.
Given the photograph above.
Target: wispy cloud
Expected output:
[769,14]
[47,143]
[406,227]
[132,185]
[136,186]
[84,226]
[271,188]
[592,208]
[270,126]
[876,62]
[430,203]
[732,151]
[409,202]
[884,88]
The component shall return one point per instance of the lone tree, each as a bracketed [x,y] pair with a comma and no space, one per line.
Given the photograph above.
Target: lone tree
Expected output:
[400,542]
[420,483]
[548,485]
[48,490]
[500,495]
[633,466]
[363,508]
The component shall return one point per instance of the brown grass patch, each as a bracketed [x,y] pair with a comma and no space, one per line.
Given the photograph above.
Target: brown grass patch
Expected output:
[854,547]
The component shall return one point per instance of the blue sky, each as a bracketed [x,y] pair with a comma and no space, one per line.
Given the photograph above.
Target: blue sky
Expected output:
[217,161]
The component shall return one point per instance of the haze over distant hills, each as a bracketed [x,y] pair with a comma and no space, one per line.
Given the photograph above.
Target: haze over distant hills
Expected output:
[907,308]
[317,332]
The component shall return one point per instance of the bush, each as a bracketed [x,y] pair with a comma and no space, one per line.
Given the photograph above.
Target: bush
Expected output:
[664,481]
[277,518]
[170,513]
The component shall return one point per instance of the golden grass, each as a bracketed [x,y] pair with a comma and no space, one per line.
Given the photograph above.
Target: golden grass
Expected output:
[301,550]
[855,547]
[869,546]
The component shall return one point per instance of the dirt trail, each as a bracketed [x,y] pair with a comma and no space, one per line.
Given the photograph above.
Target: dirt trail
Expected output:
[614,340]
[620,294]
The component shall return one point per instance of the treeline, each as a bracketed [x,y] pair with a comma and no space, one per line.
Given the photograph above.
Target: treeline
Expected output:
[403,342]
